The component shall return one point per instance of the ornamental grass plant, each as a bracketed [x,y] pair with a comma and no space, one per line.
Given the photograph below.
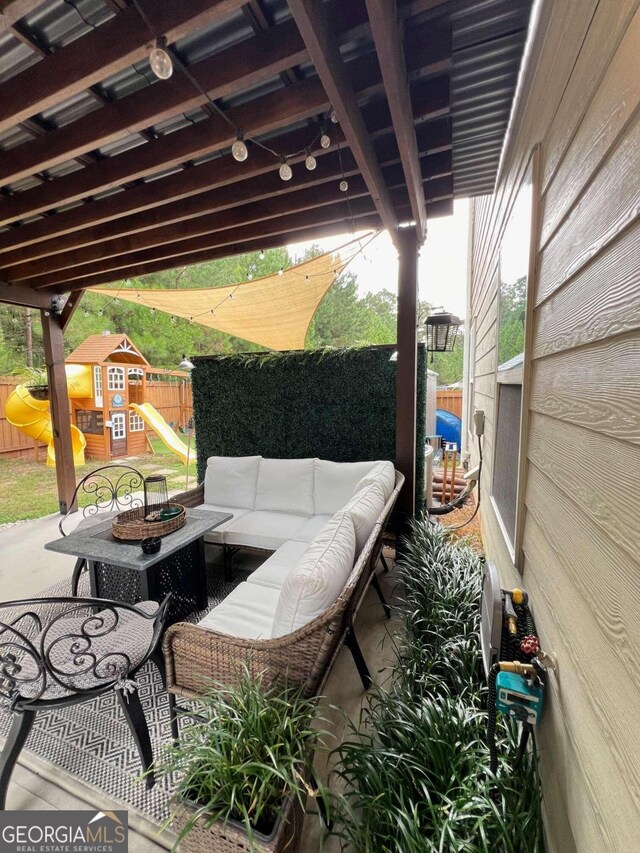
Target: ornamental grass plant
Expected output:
[416,769]
[250,751]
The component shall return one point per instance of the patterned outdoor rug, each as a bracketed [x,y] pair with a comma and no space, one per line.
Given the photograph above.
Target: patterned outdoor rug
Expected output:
[91,741]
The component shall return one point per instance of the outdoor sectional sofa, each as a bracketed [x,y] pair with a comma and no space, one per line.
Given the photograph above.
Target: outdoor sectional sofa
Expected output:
[323,523]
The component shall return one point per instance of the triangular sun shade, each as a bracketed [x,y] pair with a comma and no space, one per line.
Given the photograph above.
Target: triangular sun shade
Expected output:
[274,311]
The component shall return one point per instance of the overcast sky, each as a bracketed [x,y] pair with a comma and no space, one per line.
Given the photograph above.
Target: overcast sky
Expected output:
[443,261]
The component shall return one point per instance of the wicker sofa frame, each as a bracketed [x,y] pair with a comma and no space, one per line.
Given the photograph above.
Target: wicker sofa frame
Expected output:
[198,659]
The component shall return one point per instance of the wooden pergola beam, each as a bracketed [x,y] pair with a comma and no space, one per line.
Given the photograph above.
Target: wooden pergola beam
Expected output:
[388,39]
[53,341]
[216,173]
[20,294]
[275,110]
[227,207]
[251,239]
[240,67]
[109,48]
[325,54]
[120,265]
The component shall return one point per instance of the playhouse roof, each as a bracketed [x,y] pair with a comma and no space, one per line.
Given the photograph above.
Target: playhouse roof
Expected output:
[99,349]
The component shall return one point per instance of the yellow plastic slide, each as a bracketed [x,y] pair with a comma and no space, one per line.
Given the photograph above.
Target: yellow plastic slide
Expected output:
[154,419]
[32,417]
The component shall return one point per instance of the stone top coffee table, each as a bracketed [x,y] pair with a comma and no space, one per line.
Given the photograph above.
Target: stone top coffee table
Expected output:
[120,570]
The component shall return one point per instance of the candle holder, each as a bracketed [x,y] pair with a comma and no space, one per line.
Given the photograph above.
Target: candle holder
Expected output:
[156,497]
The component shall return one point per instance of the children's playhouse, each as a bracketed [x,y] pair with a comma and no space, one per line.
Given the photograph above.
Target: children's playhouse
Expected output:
[107,381]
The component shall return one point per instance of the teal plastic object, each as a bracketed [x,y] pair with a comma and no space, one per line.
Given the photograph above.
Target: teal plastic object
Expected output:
[449,426]
[517,698]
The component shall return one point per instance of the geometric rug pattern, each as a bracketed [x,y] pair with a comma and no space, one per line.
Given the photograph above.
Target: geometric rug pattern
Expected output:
[91,741]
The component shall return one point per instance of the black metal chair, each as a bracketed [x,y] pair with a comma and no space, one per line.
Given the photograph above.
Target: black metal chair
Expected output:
[57,652]
[111,489]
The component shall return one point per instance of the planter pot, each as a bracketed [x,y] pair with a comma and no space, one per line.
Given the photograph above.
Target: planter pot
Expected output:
[232,836]
[39,392]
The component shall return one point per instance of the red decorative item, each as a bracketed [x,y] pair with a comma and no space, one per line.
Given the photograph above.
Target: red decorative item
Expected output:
[530,645]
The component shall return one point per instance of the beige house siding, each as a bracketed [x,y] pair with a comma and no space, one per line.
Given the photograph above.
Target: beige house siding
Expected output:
[579,557]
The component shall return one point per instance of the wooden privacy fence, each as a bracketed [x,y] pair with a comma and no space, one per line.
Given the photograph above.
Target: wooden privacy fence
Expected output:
[449,400]
[172,399]
[12,441]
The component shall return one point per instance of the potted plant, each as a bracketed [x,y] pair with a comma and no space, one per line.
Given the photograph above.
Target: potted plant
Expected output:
[245,769]
[37,383]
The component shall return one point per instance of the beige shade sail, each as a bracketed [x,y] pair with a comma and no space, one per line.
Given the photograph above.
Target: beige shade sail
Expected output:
[274,311]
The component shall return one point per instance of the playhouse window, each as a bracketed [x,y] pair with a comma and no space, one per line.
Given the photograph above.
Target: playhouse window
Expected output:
[90,422]
[97,384]
[115,378]
[136,424]
[135,375]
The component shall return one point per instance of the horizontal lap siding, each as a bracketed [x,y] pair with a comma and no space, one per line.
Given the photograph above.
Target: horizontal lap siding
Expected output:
[582,509]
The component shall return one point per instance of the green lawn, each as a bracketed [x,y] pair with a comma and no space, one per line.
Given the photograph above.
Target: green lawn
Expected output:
[28,488]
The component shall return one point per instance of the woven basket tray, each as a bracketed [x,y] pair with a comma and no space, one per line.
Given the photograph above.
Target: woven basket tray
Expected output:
[132,526]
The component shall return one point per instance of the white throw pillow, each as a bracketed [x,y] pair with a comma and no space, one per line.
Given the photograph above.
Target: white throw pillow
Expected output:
[382,473]
[335,483]
[286,485]
[317,580]
[364,508]
[231,481]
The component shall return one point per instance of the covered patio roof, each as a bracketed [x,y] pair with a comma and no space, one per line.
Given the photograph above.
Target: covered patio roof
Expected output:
[109,173]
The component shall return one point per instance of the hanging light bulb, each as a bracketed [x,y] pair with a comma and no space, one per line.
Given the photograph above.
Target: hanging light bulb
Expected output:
[239,150]
[344,186]
[191,320]
[153,310]
[261,255]
[250,276]
[160,61]
[325,139]
[333,117]
[310,161]
[280,271]
[285,170]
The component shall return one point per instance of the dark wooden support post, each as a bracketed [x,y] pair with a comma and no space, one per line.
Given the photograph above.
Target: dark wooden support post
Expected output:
[407,366]
[53,339]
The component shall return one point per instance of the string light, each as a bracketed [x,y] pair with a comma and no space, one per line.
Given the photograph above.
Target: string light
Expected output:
[261,255]
[285,170]
[325,139]
[239,150]
[333,117]
[344,186]
[160,61]
[250,276]
[153,310]
[281,271]
[310,161]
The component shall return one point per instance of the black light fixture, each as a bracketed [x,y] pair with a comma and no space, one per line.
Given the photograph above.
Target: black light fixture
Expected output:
[442,330]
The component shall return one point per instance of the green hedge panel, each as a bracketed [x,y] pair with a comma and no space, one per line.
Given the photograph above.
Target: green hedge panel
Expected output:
[333,404]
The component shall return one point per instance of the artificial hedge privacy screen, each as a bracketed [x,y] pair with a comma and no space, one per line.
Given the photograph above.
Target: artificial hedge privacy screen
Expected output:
[333,404]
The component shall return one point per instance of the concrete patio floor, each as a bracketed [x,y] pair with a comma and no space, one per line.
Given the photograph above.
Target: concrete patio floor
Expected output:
[26,568]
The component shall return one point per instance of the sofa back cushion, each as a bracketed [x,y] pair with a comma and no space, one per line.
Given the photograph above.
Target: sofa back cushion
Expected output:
[231,481]
[316,581]
[382,473]
[335,483]
[364,509]
[286,485]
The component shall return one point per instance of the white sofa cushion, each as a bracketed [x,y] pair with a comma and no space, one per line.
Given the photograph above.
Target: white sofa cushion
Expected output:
[364,508]
[382,473]
[311,528]
[274,570]
[231,481]
[318,579]
[246,612]
[335,483]
[260,529]
[286,485]
[216,535]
